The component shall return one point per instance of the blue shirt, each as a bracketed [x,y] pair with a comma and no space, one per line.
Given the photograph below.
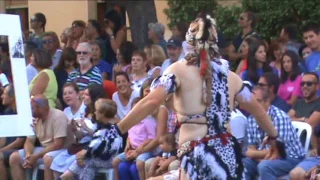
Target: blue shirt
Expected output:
[105,67]
[260,72]
[286,131]
[313,63]
[281,104]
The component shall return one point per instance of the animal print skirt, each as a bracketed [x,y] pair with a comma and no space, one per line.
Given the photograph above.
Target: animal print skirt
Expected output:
[212,158]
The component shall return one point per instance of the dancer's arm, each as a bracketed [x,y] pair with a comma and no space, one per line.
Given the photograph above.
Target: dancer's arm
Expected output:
[166,84]
[246,100]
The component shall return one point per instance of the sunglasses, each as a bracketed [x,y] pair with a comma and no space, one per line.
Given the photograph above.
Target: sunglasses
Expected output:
[33,19]
[106,21]
[308,83]
[262,85]
[82,52]
[49,41]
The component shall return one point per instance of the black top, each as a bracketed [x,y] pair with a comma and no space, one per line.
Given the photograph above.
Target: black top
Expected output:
[61,76]
[304,109]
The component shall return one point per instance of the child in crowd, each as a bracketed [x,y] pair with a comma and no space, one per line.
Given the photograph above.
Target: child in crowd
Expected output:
[169,153]
[94,157]
[139,136]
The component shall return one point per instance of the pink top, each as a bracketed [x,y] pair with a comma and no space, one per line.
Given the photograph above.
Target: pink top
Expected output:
[289,88]
[145,130]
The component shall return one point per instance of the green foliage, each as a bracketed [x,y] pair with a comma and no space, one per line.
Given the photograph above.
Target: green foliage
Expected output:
[186,11]
[274,14]
[227,20]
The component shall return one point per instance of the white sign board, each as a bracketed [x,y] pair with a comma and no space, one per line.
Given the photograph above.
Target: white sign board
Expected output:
[18,124]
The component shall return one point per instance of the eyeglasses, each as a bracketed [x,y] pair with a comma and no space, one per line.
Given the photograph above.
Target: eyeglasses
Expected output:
[308,83]
[82,52]
[49,41]
[262,85]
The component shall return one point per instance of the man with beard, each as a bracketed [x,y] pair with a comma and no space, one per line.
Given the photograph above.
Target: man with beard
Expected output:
[86,74]
[307,109]
[51,128]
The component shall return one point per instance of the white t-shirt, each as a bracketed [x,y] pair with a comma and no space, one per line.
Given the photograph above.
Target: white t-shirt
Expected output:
[124,110]
[238,124]
[78,115]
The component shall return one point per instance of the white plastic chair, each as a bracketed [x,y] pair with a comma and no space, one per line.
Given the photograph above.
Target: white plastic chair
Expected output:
[36,170]
[300,127]
[107,172]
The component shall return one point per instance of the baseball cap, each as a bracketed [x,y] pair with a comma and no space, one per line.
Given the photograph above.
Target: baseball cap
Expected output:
[175,42]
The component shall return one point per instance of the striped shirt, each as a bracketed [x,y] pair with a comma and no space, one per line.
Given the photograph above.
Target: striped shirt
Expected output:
[286,132]
[92,76]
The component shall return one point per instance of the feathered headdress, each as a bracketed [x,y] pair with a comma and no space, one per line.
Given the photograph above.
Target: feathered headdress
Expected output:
[202,35]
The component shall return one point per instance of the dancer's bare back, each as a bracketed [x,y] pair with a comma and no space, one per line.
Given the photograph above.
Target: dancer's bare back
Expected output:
[188,97]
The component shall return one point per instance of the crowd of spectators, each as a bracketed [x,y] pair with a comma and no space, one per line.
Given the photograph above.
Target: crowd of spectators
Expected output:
[92,77]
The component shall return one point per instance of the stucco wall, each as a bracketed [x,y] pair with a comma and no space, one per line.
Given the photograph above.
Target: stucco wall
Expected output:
[60,14]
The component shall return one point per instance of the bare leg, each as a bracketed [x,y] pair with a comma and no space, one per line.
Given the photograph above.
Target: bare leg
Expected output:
[3,169]
[67,175]
[17,172]
[141,170]
[56,174]
[115,164]
[297,174]
[48,173]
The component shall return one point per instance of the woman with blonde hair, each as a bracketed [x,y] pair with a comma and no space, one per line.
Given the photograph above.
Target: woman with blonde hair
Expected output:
[155,58]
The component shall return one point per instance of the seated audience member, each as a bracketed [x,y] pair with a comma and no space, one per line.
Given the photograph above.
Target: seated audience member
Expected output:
[155,58]
[125,94]
[65,37]
[289,89]
[83,123]
[244,50]
[104,67]
[265,162]
[275,54]
[50,42]
[90,160]
[257,63]
[86,74]
[169,154]
[174,48]
[307,109]
[93,33]
[31,70]
[156,35]
[289,33]
[138,137]
[45,82]
[51,128]
[138,74]
[270,82]
[67,64]
[124,56]
[8,144]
